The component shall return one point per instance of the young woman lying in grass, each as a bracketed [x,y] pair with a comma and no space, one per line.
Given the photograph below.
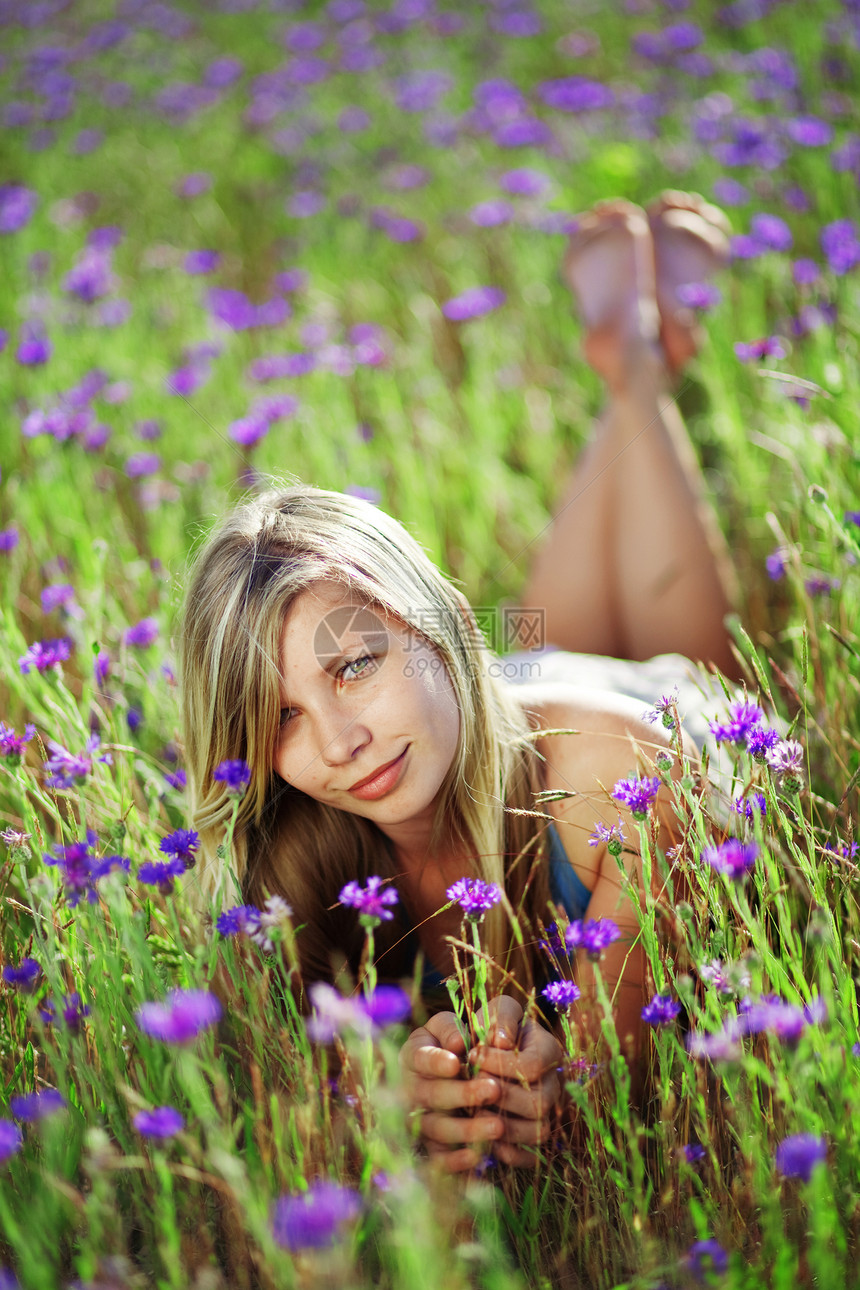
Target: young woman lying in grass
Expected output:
[322,647]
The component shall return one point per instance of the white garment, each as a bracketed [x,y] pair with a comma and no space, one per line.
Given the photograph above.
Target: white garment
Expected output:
[701,699]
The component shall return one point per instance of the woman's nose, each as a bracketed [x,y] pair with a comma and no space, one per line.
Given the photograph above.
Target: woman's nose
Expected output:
[342,737]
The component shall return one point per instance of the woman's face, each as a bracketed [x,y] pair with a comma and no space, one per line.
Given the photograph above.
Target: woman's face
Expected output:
[369,719]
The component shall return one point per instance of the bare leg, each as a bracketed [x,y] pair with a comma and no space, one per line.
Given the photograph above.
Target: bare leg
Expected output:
[634,564]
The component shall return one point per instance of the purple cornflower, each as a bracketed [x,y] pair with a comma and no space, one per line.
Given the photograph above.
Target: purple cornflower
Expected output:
[770,1013]
[273,918]
[732,857]
[743,718]
[372,901]
[699,295]
[202,261]
[9,538]
[142,634]
[176,779]
[771,232]
[754,350]
[57,595]
[473,303]
[611,835]
[754,804]
[385,1006]
[17,205]
[160,1122]
[181,1018]
[101,668]
[844,850]
[45,654]
[241,920]
[474,897]
[593,935]
[776,564]
[11,1141]
[797,1156]
[181,844]
[841,245]
[637,793]
[719,1047]
[706,1258]
[161,874]
[34,348]
[37,1106]
[717,975]
[91,277]
[24,977]
[80,870]
[821,586]
[561,994]
[333,1014]
[693,1152]
[785,759]
[312,1220]
[234,774]
[67,769]
[760,741]
[661,1010]
[73,1010]
[11,744]
[491,214]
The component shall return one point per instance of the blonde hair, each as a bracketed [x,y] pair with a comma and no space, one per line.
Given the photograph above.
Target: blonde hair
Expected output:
[242,584]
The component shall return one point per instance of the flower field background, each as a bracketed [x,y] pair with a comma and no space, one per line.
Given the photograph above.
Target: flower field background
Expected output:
[242,238]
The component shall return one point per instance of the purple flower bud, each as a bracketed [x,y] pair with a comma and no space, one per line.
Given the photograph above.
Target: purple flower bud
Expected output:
[705,1259]
[184,1015]
[12,744]
[11,1141]
[37,1106]
[161,1122]
[797,1156]
[142,634]
[44,655]
[313,1220]
[24,977]
[473,303]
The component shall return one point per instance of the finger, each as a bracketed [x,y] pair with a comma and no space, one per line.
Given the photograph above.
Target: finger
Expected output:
[503,1015]
[457,1130]
[519,1157]
[533,1103]
[525,1132]
[445,1029]
[538,1051]
[452,1094]
[422,1056]
[455,1161]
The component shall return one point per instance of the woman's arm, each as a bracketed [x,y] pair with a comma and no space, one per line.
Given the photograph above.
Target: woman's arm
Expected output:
[612,741]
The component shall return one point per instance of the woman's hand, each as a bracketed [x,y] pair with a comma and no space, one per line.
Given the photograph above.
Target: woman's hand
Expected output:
[506,1106]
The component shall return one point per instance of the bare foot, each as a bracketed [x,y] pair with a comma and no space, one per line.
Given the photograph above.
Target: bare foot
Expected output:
[609,266]
[690,245]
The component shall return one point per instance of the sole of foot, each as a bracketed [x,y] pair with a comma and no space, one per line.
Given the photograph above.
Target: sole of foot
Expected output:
[609,266]
[691,244]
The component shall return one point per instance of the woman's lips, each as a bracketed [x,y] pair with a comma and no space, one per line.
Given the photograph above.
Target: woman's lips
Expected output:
[382,781]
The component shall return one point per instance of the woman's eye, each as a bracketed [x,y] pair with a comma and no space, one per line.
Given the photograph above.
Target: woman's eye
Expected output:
[286,715]
[357,667]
